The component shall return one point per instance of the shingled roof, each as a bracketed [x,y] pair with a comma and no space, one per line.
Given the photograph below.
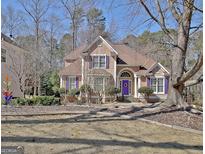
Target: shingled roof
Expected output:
[72,69]
[132,57]
[127,54]
[76,53]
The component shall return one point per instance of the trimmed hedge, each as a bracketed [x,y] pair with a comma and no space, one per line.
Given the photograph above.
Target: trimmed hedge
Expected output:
[38,100]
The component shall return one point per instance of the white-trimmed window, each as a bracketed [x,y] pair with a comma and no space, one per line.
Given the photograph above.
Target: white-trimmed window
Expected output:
[72,82]
[157,84]
[98,84]
[3,55]
[99,61]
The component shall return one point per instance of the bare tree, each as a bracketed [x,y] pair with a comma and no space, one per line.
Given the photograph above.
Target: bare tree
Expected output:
[12,20]
[19,67]
[53,29]
[74,12]
[182,12]
[36,10]
[185,17]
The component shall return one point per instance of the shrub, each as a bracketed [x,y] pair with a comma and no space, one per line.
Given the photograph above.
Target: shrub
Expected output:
[111,90]
[62,91]
[85,88]
[38,100]
[146,91]
[50,83]
[73,92]
[56,90]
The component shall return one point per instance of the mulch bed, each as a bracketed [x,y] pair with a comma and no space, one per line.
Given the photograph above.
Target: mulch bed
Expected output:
[171,116]
[179,118]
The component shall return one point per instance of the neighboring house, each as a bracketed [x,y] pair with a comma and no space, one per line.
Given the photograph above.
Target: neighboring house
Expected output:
[12,61]
[102,64]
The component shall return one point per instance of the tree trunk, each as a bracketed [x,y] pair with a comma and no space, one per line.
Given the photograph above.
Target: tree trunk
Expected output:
[39,86]
[178,60]
[35,85]
[175,97]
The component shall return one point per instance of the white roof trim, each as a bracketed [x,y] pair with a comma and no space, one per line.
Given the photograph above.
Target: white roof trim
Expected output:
[108,44]
[153,66]
[163,68]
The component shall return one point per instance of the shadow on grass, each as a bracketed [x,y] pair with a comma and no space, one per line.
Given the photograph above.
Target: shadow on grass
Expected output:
[87,117]
[97,142]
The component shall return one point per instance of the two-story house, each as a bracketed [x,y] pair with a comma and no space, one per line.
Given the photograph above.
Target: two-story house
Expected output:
[102,64]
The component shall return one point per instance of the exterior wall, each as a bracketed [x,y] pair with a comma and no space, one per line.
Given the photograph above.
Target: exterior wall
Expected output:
[14,62]
[64,78]
[121,67]
[101,49]
[143,81]
[158,71]
[67,64]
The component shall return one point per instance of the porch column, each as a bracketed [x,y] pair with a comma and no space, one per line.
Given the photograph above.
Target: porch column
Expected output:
[135,83]
[61,81]
[138,85]
[82,71]
[115,71]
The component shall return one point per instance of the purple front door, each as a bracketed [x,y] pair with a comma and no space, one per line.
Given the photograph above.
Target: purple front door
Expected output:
[125,87]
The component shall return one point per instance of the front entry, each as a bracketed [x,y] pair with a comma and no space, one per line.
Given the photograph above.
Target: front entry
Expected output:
[125,87]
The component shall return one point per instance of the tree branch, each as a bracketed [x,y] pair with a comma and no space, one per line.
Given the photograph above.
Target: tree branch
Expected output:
[160,23]
[186,76]
[174,11]
[162,19]
[27,10]
[193,82]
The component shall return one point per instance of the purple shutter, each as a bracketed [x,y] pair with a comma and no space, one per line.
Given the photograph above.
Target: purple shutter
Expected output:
[166,85]
[148,82]
[76,82]
[90,63]
[107,62]
[67,83]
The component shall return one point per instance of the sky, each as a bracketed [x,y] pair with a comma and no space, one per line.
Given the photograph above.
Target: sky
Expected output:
[121,15]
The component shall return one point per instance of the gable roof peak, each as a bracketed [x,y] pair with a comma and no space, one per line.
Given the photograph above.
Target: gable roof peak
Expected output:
[106,42]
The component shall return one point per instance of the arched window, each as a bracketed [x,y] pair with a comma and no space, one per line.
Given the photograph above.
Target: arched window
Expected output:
[125,74]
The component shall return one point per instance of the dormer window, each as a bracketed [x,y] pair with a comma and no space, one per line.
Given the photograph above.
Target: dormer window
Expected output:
[99,61]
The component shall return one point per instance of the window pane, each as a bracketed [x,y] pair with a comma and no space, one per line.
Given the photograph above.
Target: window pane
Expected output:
[153,84]
[72,84]
[95,62]
[98,84]
[3,55]
[102,61]
[125,74]
[160,84]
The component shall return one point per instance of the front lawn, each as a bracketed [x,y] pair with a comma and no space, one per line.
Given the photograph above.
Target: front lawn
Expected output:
[95,134]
